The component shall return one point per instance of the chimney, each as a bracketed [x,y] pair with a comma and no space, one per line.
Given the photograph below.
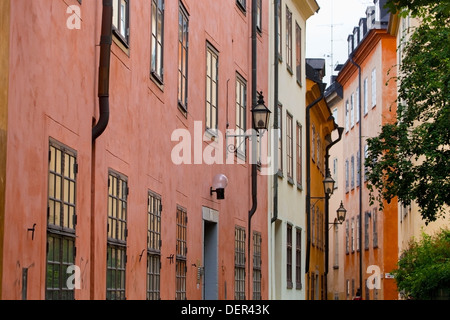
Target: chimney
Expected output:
[370,14]
[350,44]
[381,13]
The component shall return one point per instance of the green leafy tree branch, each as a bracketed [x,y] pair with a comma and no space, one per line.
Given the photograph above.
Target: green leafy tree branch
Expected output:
[424,267]
[410,158]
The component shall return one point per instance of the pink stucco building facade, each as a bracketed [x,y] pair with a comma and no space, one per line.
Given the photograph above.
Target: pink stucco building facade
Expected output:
[134,222]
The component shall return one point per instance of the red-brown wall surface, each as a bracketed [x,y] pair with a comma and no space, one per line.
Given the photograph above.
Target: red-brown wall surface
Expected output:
[53,94]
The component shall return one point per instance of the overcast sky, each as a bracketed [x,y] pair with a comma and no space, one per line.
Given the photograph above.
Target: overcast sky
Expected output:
[344,15]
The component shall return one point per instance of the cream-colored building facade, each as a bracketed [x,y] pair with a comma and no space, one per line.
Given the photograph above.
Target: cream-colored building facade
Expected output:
[410,223]
[286,196]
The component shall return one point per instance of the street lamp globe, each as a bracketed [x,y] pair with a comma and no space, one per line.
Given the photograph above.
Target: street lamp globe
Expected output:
[328,184]
[261,115]
[341,213]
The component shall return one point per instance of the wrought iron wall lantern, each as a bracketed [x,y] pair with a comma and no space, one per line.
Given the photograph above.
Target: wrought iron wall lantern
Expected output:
[341,213]
[260,120]
[328,186]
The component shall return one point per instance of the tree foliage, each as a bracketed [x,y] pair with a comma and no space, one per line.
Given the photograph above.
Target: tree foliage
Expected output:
[418,7]
[410,159]
[425,266]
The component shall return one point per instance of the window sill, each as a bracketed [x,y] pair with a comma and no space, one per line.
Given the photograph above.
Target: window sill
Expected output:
[241,155]
[121,44]
[156,78]
[211,133]
[182,109]
[241,7]
[289,69]
[157,82]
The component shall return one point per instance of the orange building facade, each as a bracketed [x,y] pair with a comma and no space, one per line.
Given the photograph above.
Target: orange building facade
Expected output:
[370,236]
[130,214]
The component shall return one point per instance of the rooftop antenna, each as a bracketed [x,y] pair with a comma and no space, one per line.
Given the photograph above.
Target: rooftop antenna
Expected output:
[332,39]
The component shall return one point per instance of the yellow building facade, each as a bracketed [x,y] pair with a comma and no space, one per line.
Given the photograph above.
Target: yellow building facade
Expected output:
[320,126]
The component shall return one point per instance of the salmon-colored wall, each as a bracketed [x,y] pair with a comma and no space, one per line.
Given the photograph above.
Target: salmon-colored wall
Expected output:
[53,93]
[5,7]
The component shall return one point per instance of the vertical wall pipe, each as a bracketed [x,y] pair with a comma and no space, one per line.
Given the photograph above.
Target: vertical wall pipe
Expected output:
[104,69]
[275,108]
[254,167]
[359,175]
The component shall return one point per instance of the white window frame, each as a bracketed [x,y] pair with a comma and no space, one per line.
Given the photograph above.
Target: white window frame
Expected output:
[347,115]
[357,105]
[374,88]
[352,110]
[121,20]
[366,96]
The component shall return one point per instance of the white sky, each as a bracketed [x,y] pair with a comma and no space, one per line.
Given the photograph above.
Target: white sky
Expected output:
[344,15]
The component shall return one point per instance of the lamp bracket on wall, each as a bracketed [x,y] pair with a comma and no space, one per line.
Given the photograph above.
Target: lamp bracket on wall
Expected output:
[140,256]
[32,231]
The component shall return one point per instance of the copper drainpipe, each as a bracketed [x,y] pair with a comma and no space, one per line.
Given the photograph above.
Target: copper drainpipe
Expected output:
[104,69]
[360,176]
[99,128]
[254,164]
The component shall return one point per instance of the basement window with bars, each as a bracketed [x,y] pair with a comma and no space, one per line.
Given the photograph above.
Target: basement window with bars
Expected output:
[117,236]
[239,263]
[61,220]
[289,256]
[154,244]
[181,250]
[298,258]
[257,265]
